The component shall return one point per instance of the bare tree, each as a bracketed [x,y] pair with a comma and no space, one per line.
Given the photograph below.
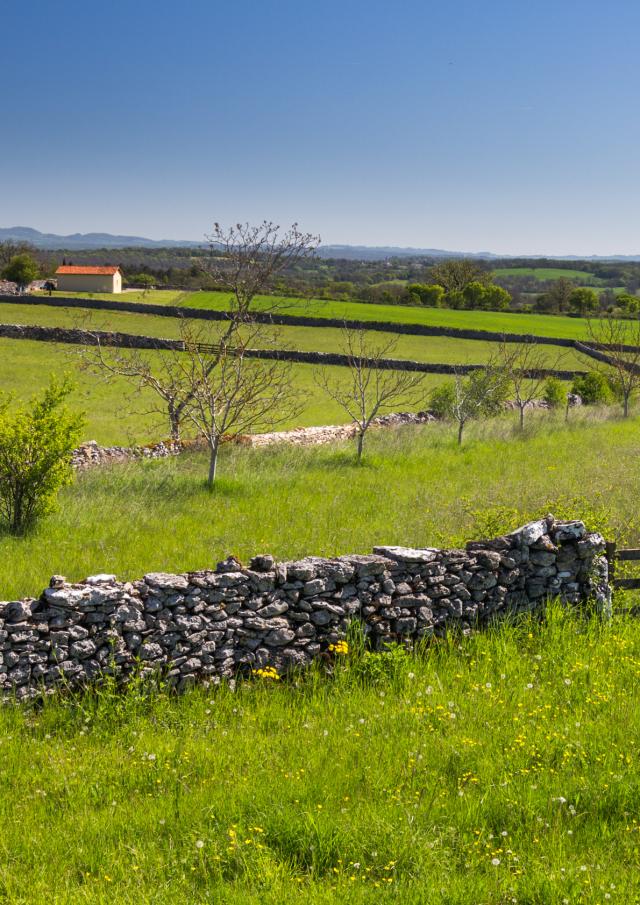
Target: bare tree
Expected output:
[158,372]
[481,393]
[9,249]
[526,366]
[370,388]
[245,259]
[233,395]
[615,346]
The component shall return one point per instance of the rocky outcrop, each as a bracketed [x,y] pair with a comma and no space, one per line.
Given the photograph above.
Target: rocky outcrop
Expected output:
[214,623]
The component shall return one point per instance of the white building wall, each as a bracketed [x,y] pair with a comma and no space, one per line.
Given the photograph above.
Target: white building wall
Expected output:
[89,282]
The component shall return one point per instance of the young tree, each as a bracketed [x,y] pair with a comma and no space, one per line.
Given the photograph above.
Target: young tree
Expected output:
[245,260]
[21,269]
[35,456]
[370,388]
[524,365]
[231,395]
[481,394]
[616,344]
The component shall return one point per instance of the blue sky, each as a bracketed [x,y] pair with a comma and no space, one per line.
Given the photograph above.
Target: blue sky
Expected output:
[502,126]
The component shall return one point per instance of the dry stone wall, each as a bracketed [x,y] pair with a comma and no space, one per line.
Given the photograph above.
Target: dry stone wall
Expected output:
[211,624]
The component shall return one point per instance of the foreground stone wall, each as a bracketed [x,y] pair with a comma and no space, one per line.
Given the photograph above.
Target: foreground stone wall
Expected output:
[213,623]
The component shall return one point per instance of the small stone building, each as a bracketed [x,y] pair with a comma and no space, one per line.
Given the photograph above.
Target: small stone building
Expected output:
[88,279]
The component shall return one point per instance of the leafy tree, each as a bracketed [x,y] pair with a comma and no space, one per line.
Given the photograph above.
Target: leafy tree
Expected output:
[456,274]
[479,395]
[593,388]
[21,269]
[496,298]
[554,393]
[584,301]
[630,304]
[35,455]
[430,296]
[9,250]
[556,298]
[486,296]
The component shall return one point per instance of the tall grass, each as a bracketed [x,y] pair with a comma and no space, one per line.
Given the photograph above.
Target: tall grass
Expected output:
[415,487]
[496,768]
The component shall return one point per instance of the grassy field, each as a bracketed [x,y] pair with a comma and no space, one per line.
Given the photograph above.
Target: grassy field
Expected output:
[503,321]
[417,488]
[117,414]
[326,339]
[496,770]
[26,365]
[548,273]
[484,770]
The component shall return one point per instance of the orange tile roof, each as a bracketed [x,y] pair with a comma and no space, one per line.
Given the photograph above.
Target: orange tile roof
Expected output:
[66,268]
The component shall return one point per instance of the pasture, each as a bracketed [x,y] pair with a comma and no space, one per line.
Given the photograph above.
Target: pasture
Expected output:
[502,321]
[548,273]
[116,415]
[476,771]
[416,487]
[481,770]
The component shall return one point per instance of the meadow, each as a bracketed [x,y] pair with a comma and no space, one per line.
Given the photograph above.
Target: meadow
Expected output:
[490,769]
[549,273]
[494,769]
[481,770]
[415,488]
[116,415]
[502,321]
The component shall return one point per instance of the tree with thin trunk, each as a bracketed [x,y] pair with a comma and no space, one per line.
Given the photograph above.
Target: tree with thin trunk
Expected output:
[480,394]
[526,367]
[371,388]
[615,346]
[231,394]
[245,260]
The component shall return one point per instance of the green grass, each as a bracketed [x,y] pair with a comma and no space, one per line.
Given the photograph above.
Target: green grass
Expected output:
[326,339]
[116,414]
[416,488]
[503,321]
[548,273]
[478,771]
[498,769]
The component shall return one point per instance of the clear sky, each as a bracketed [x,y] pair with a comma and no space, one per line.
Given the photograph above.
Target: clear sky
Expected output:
[504,125]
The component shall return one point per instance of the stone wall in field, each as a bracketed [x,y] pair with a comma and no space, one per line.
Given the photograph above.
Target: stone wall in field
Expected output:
[215,623]
[136,341]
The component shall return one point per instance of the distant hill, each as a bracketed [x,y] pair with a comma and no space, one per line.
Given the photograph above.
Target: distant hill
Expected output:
[78,241]
[87,240]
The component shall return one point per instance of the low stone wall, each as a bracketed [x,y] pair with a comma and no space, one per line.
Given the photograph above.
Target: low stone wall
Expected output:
[91,454]
[137,341]
[210,624]
[295,320]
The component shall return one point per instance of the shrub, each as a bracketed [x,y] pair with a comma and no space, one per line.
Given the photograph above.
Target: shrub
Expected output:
[593,388]
[35,456]
[554,393]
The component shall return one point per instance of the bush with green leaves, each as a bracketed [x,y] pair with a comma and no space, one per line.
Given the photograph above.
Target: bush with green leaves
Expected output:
[554,393]
[479,395]
[36,443]
[21,269]
[593,388]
